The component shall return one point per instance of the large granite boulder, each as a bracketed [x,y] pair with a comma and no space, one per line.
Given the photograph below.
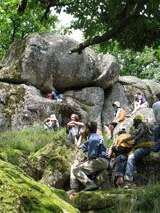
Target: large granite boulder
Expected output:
[88,102]
[116,93]
[22,106]
[44,60]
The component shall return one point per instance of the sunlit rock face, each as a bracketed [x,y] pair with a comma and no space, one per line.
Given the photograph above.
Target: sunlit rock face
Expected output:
[44,61]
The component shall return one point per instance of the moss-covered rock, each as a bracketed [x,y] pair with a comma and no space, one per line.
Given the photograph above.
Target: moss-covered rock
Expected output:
[53,161]
[19,193]
[120,200]
[148,169]
[17,157]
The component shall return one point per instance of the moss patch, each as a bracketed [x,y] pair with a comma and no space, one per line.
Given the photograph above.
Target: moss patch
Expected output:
[19,193]
[121,200]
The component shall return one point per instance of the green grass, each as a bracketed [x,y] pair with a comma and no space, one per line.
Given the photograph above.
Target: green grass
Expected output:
[108,142]
[31,139]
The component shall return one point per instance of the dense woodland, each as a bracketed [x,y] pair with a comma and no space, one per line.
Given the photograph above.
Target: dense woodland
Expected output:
[128,29]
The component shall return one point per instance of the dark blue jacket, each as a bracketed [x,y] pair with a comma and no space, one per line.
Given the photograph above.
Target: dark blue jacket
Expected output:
[94,146]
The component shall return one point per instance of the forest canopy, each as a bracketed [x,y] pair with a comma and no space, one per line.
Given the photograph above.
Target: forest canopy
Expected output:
[125,28]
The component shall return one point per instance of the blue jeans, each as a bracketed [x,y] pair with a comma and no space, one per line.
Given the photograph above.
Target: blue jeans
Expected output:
[137,155]
[120,165]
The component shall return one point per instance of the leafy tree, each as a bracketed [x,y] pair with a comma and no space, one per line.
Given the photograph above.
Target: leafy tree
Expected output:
[14,25]
[143,64]
[133,23]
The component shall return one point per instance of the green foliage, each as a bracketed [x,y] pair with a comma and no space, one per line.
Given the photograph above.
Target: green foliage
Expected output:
[143,64]
[14,26]
[31,139]
[133,23]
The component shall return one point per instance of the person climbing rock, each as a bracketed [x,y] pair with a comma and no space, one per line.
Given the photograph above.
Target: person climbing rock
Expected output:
[51,123]
[75,130]
[55,95]
[96,161]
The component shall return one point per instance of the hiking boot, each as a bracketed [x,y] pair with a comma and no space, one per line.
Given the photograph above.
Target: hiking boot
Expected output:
[90,187]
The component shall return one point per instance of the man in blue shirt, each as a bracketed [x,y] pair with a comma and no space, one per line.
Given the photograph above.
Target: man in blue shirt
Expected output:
[96,161]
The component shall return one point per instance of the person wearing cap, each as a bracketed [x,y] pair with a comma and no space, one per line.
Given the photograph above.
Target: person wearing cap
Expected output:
[125,164]
[119,112]
[119,151]
[123,143]
[156,111]
[142,146]
[51,123]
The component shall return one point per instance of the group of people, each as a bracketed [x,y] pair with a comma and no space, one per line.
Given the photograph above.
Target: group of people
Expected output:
[127,148]
[120,158]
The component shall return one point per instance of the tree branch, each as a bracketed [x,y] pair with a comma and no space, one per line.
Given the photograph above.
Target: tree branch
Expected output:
[15,27]
[121,25]
[46,13]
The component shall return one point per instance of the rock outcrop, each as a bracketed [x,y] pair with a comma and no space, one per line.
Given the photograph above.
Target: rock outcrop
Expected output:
[124,91]
[88,102]
[43,60]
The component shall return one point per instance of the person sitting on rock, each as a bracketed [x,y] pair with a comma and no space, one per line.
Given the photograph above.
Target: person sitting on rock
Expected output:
[139,102]
[156,131]
[96,161]
[142,147]
[118,153]
[122,145]
[56,95]
[75,130]
[51,123]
